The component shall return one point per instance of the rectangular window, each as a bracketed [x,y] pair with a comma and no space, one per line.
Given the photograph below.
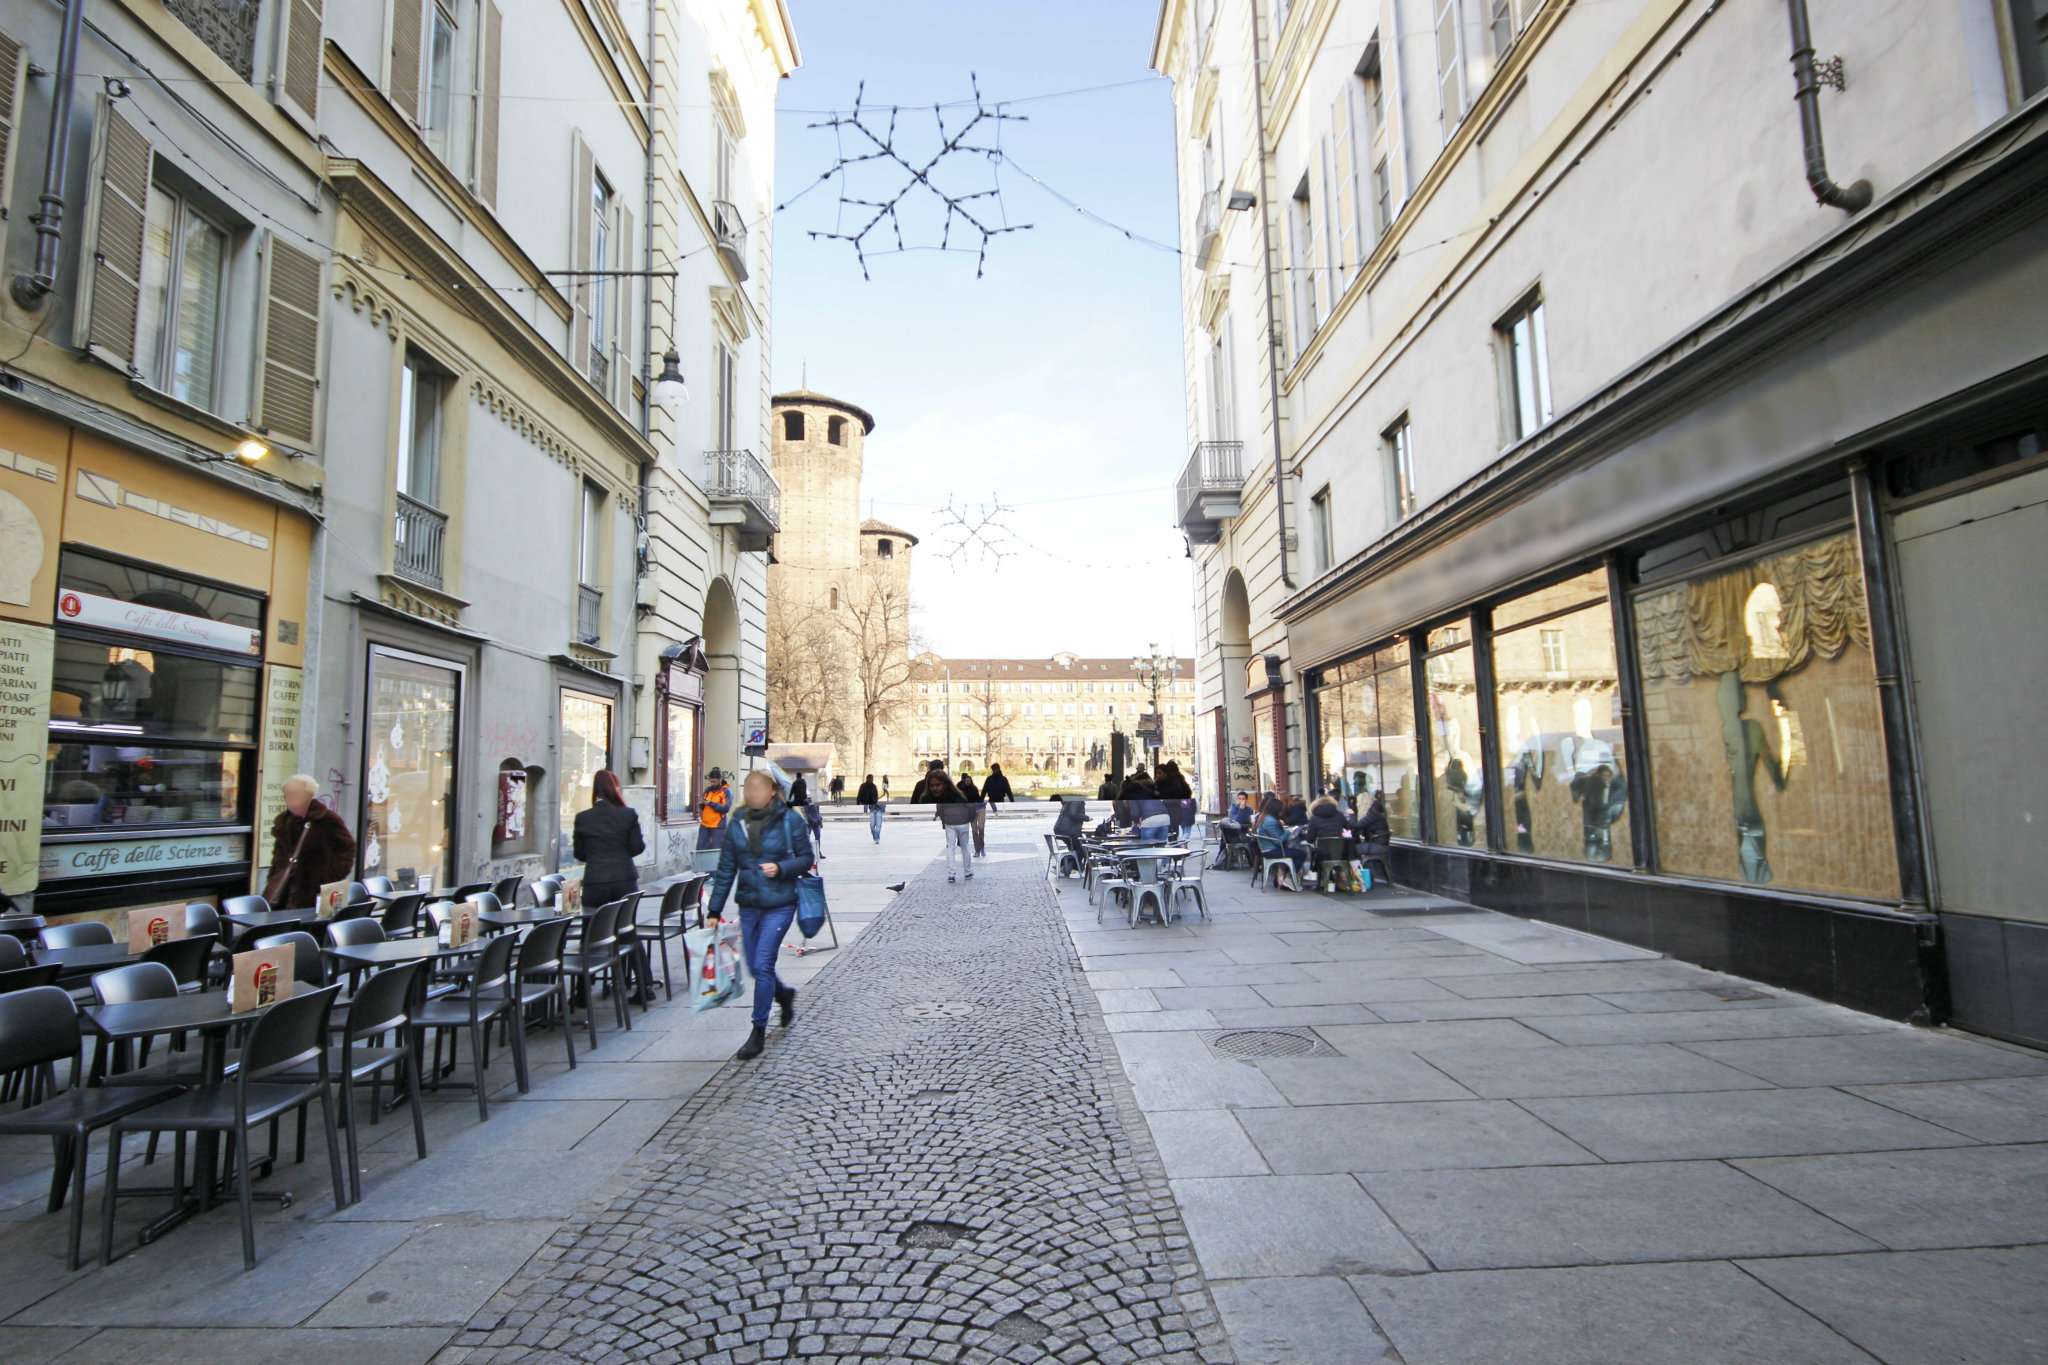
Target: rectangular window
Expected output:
[420,389]
[179,315]
[1302,223]
[679,774]
[1525,368]
[409,768]
[441,99]
[1320,548]
[586,751]
[600,286]
[1400,449]
[1382,199]
[1222,393]
[1767,755]
[590,538]
[1454,740]
[1503,24]
[727,397]
[1366,722]
[1561,747]
[1450,64]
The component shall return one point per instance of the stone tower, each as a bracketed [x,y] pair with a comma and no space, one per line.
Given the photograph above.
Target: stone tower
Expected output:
[885,579]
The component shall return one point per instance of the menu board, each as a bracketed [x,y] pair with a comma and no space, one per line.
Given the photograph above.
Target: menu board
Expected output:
[25,655]
[283,708]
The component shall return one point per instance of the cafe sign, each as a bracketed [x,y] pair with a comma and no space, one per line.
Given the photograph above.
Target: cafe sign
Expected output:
[132,618]
[124,857]
[25,654]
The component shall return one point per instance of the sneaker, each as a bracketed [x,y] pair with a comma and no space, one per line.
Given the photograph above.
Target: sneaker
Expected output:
[951,878]
[970,876]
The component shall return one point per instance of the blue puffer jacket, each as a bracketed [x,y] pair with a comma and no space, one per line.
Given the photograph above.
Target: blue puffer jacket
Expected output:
[784,842]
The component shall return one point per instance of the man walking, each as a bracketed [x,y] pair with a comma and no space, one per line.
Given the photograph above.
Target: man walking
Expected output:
[871,802]
[711,810]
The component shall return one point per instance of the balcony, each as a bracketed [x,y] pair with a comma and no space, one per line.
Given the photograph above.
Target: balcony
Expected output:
[1211,490]
[589,615]
[743,495]
[417,550]
[226,26]
[1208,226]
[729,230]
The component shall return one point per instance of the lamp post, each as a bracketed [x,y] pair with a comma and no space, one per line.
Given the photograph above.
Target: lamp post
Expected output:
[1156,671]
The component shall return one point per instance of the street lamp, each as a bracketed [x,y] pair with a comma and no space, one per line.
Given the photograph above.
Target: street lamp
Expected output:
[1156,671]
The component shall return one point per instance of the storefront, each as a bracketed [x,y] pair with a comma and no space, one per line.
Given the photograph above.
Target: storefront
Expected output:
[679,720]
[152,670]
[412,709]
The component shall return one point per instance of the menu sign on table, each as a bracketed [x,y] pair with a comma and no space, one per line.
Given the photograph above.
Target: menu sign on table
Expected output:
[570,898]
[261,976]
[333,896]
[25,654]
[460,923]
[150,925]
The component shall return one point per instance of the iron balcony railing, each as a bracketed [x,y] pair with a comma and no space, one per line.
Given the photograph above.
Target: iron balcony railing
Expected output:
[730,228]
[420,533]
[1215,467]
[736,475]
[589,614]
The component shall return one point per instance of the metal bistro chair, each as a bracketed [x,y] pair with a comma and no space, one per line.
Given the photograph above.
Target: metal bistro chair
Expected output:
[12,955]
[672,921]
[401,914]
[379,887]
[544,889]
[1185,879]
[1271,867]
[599,958]
[39,1027]
[491,995]
[287,1038]
[1332,867]
[309,965]
[87,933]
[506,889]
[187,958]
[539,979]
[231,906]
[383,1006]
[632,949]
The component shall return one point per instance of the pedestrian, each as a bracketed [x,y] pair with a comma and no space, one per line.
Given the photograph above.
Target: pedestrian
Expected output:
[885,786]
[838,787]
[1109,788]
[1171,786]
[712,808]
[1138,787]
[871,802]
[814,820]
[309,846]
[799,791]
[971,794]
[956,820]
[606,840]
[759,866]
[997,787]
[1375,836]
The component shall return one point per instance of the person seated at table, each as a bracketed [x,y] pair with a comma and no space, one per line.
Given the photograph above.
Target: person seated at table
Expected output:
[1295,813]
[1326,820]
[1375,837]
[1274,841]
[1138,787]
[1242,815]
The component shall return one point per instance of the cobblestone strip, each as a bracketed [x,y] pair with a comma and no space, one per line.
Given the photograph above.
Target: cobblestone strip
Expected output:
[941,1161]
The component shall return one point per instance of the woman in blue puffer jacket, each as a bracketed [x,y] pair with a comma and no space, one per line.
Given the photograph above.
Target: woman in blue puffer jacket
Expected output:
[766,849]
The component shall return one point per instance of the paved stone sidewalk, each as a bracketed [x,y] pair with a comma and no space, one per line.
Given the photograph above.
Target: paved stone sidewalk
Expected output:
[940,1162]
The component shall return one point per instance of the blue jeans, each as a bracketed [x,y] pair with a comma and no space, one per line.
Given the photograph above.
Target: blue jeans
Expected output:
[761,935]
[875,822]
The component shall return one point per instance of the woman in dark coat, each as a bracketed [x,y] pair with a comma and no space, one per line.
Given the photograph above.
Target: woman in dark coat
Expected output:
[1170,785]
[606,841]
[309,846]
[768,848]
[997,788]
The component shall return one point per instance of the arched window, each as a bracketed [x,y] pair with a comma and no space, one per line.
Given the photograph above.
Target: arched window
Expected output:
[835,599]
[792,426]
[835,430]
[885,548]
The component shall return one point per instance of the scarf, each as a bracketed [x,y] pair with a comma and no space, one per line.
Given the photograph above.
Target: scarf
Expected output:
[757,821]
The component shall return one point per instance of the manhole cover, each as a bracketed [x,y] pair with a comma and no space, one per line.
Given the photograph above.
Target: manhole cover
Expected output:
[938,1009]
[1266,1043]
[934,1233]
[1736,994]
[1018,1327]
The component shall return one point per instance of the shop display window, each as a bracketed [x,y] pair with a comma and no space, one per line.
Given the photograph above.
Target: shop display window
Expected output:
[1366,715]
[410,758]
[1454,747]
[586,750]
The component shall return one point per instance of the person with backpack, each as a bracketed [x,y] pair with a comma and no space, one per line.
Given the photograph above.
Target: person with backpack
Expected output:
[762,857]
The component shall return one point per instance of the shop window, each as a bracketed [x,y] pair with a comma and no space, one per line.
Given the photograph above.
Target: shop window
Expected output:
[181,308]
[680,760]
[1455,762]
[409,768]
[586,749]
[1366,715]
[1558,701]
[1525,369]
[1767,757]
[158,693]
[91,785]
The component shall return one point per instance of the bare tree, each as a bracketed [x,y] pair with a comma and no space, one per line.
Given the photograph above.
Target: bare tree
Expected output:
[876,621]
[989,719]
[807,692]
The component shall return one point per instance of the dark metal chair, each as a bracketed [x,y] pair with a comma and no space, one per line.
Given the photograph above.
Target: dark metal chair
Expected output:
[309,965]
[401,915]
[187,959]
[491,995]
[38,1028]
[25,978]
[382,1007]
[12,954]
[466,890]
[632,952]
[378,887]
[288,1037]
[538,970]
[85,933]
[243,905]
[506,889]
[672,922]
[598,959]
[352,933]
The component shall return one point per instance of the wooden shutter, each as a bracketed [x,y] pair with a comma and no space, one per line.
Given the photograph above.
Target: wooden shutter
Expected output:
[1346,150]
[297,79]
[490,60]
[625,298]
[582,167]
[402,82]
[11,67]
[288,351]
[110,285]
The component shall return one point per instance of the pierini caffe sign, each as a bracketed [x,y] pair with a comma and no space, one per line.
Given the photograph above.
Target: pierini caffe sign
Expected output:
[111,613]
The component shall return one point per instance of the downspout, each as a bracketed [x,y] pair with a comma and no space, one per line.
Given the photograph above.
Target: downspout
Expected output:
[1272,316]
[32,288]
[1851,198]
[643,547]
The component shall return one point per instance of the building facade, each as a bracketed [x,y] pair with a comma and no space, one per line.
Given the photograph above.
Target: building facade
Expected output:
[1049,722]
[332,441]
[1653,430]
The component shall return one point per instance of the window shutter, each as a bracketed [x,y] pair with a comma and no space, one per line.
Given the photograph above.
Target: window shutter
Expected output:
[489,62]
[626,340]
[11,67]
[1347,152]
[110,286]
[297,82]
[402,82]
[582,169]
[288,355]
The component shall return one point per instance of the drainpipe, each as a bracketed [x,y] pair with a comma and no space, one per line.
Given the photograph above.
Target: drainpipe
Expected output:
[1272,316]
[32,288]
[1852,198]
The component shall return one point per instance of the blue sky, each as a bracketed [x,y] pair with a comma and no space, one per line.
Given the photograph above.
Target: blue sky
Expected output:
[1053,383]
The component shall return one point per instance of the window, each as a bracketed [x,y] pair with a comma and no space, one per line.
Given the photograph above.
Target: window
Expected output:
[835,430]
[727,413]
[1400,470]
[1454,739]
[600,287]
[1222,384]
[724,160]
[1525,368]
[590,538]
[441,103]
[885,548]
[792,426]
[1450,64]
[1302,231]
[1563,777]
[835,599]
[420,390]
[1504,24]
[586,749]
[1382,198]
[1319,532]
[2030,44]
[1766,747]
[409,767]
[179,316]
[680,761]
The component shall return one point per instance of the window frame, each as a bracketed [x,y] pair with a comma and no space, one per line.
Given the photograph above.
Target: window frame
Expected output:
[184,214]
[590,536]
[414,366]
[1322,546]
[1510,342]
[1301,223]
[1449,16]
[440,135]
[603,205]
[1398,443]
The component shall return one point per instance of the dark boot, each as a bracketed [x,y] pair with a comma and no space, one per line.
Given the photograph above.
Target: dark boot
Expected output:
[756,1040]
[785,998]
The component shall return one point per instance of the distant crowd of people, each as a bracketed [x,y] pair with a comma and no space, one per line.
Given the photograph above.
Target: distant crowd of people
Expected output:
[1286,826]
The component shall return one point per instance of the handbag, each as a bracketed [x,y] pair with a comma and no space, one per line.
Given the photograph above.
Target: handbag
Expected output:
[810,904]
[273,890]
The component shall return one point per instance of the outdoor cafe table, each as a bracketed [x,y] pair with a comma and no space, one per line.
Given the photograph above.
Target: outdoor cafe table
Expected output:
[1147,862]
[358,957]
[90,957]
[272,919]
[524,917]
[208,1015]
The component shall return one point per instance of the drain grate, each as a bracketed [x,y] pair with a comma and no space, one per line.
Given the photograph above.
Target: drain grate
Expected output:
[1019,1327]
[938,1009]
[934,1233]
[1264,1042]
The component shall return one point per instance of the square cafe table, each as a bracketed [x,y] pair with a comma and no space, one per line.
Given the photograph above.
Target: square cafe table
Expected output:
[364,956]
[86,959]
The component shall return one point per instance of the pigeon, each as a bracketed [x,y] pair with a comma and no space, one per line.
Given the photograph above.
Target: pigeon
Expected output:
[895,886]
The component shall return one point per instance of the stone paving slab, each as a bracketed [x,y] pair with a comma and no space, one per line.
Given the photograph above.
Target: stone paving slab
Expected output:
[1735,1124]
[295,1346]
[1369,1078]
[1958,1197]
[1199,1142]
[1300,1321]
[1980,1307]
[1428,1136]
[1897,1054]
[1990,1111]
[1697,1026]
[1507,1073]
[1277,1225]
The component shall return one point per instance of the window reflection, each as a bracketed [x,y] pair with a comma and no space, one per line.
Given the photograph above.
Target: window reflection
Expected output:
[1556,691]
[152,692]
[1366,716]
[1454,744]
[409,773]
[100,785]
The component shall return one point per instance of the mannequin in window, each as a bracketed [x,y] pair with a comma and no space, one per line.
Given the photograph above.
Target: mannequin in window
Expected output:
[1746,743]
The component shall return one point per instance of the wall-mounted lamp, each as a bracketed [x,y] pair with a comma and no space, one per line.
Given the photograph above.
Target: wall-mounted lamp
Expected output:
[1241,200]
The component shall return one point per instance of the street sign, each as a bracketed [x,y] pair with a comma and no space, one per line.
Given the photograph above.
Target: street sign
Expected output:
[754,735]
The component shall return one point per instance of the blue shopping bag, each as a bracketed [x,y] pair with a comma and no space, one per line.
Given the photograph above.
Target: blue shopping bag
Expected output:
[810,904]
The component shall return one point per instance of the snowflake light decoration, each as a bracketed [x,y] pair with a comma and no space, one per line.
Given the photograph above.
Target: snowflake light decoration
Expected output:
[976,534]
[963,213]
